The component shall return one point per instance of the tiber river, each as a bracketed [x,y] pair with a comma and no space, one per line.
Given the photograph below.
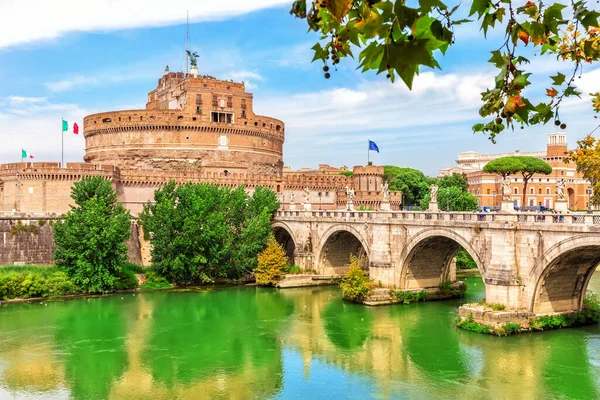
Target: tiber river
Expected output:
[245,343]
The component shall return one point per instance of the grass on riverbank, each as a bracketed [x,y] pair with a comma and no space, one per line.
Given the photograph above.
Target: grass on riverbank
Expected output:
[39,281]
[589,314]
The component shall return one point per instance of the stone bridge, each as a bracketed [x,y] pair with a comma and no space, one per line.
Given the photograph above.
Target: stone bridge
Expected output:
[540,263]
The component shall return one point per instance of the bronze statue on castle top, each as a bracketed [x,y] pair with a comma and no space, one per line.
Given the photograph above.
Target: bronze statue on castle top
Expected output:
[193,58]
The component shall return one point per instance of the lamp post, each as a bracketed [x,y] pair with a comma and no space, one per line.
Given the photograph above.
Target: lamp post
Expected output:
[589,205]
[447,199]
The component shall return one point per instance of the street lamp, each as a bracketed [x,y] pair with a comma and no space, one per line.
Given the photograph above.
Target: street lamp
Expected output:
[447,199]
[589,206]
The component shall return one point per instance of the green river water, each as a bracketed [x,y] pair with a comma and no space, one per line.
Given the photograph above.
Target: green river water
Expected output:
[246,342]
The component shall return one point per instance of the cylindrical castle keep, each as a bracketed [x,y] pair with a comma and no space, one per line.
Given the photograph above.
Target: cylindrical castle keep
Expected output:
[191,123]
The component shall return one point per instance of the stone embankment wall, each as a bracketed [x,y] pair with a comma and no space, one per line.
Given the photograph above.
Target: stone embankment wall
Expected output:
[29,240]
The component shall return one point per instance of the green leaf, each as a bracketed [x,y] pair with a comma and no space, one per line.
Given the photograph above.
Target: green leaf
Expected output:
[478,127]
[319,52]
[406,15]
[571,91]
[437,29]
[461,21]
[498,59]
[479,7]
[522,80]
[558,79]
[427,5]
[339,8]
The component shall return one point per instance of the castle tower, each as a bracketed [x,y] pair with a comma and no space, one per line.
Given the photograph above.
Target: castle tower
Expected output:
[368,178]
[557,144]
[191,123]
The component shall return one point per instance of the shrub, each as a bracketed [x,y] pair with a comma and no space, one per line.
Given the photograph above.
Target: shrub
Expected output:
[407,297]
[136,269]
[356,285]
[155,281]
[470,325]
[464,260]
[91,239]
[446,289]
[294,270]
[42,222]
[272,264]
[511,328]
[34,282]
[126,280]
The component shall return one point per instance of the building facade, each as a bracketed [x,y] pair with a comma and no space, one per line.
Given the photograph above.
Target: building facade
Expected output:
[541,189]
[195,128]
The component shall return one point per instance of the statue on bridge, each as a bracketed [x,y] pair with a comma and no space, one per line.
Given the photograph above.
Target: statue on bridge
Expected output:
[560,190]
[349,193]
[306,195]
[506,189]
[386,192]
[292,198]
[433,191]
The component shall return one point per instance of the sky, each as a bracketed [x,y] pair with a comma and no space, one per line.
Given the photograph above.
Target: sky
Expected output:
[70,58]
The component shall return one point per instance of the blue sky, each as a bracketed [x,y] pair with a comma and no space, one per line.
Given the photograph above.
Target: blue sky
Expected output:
[80,57]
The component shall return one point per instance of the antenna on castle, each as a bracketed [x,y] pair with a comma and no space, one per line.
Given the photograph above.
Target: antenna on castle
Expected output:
[187,25]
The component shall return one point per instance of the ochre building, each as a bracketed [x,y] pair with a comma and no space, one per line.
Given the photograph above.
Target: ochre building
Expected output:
[541,189]
[195,128]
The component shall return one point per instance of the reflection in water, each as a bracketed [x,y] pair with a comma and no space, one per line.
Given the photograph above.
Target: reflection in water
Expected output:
[258,343]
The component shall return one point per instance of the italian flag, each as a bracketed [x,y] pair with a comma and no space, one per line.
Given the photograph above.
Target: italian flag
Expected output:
[25,154]
[74,127]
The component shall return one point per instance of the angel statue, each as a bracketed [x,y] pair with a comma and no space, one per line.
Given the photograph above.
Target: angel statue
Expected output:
[386,192]
[505,189]
[349,193]
[306,195]
[292,198]
[560,189]
[193,57]
[434,190]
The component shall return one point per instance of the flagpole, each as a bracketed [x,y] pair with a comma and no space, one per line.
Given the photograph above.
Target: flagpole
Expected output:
[368,151]
[62,143]
[20,184]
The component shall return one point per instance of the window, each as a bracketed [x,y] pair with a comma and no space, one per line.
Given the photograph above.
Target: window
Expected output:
[562,172]
[198,110]
[531,191]
[198,99]
[214,97]
[222,117]
[547,190]
[488,191]
[243,113]
[540,191]
[243,103]
[516,190]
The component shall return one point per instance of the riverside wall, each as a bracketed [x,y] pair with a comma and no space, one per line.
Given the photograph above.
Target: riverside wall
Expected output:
[29,240]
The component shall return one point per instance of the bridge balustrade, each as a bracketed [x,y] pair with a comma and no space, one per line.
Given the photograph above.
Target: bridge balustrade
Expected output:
[528,218]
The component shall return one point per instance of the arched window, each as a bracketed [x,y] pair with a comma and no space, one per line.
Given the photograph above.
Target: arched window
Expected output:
[547,190]
[106,120]
[516,190]
[531,191]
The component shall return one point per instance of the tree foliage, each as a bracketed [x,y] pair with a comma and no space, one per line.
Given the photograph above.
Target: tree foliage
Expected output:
[527,166]
[356,285]
[272,263]
[454,180]
[452,198]
[413,184]
[91,240]
[200,232]
[587,160]
[399,39]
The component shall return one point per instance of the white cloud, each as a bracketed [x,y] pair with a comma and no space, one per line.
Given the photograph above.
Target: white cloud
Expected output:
[34,124]
[68,84]
[29,21]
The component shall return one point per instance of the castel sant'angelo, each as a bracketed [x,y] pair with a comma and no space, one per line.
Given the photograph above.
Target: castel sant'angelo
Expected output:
[195,128]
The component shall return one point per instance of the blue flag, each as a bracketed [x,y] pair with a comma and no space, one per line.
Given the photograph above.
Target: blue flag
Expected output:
[373,146]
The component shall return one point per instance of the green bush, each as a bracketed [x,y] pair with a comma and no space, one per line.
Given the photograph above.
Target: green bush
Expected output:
[155,281]
[511,328]
[126,280]
[407,297]
[34,282]
[470,325]
[356,285]
[136,269]
[445,289]
[464,260]
[294,270]
[91,240]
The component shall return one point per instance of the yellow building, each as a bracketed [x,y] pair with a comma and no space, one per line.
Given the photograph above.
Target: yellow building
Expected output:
[541,189]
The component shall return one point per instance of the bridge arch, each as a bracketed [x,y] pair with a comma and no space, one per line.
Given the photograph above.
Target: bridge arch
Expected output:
[426,259]
[284,235]
[562,274]
[336,245]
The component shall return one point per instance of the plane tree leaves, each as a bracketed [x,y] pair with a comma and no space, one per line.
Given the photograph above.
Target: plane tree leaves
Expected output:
[400,39]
